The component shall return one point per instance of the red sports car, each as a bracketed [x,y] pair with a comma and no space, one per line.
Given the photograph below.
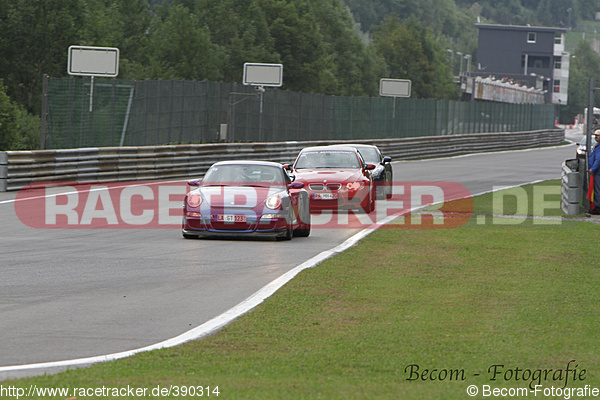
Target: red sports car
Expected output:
[335,178]
[246,198]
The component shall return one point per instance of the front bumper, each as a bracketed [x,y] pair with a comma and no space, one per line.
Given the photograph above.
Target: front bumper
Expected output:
[264,225]
[343,200]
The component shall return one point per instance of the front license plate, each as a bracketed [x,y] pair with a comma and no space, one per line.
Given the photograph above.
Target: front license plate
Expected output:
[231,218]
[325,196]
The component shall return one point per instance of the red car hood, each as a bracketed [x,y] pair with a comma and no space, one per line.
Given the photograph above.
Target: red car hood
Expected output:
[330,175]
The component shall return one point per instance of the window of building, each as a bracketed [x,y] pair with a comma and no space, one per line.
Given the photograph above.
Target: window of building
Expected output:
[557,38]
[556,86]
[557,62]
[531,37]
[535,61]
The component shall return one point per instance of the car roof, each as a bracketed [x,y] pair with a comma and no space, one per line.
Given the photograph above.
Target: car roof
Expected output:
[331,147]
[249,162]
[353,145]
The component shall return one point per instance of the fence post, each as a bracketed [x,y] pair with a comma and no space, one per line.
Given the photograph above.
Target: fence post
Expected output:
[44,111]
[3,170]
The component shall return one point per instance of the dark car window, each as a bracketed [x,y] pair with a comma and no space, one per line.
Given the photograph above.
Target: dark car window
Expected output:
[328,159]
[370,155]
[247,175]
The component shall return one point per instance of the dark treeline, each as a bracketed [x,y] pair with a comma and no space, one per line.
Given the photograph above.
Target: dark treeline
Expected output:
[326,46]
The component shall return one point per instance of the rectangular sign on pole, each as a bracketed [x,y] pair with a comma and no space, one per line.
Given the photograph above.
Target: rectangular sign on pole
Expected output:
[93,61]
[395,87]
[258,74]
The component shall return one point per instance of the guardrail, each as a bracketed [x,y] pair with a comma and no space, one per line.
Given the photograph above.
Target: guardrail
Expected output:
[103,164]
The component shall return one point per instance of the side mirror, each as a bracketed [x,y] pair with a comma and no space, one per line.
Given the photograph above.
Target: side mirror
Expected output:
[296,185]
[370,167]
[287,167]
[194,182]
[387,160]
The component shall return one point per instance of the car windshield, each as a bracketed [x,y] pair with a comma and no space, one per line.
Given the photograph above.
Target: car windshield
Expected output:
[369,154]
[327,159]
[244,175]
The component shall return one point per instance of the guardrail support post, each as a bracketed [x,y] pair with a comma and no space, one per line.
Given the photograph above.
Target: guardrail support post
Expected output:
[3,170]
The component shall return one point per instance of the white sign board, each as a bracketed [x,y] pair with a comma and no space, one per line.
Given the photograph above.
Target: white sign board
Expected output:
[395,87]
[93,61]
[258,74]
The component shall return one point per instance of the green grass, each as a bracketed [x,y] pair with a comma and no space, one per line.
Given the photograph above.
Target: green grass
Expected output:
[462,300]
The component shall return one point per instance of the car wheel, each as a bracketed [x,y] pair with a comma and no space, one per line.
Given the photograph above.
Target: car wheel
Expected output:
[381,191]
[303,229]
[288,234]
[371,202]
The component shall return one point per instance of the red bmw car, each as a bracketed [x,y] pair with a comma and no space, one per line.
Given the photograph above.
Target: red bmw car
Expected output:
[335,178]
[254,198]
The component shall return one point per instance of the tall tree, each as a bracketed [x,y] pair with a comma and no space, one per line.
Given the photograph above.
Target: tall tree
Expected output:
[298,41]
[240,28]
[8,123]
[411,53]
[557,12]
[354,67]
[34,39]
[180,47]
[118,23]
[585,64]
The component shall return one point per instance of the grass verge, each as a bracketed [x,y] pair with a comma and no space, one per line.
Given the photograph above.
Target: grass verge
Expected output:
[411,314]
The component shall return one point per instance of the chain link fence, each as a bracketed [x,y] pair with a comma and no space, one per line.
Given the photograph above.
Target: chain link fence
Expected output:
[155,112]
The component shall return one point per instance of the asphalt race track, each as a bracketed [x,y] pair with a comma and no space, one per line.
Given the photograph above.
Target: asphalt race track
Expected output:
[73,293]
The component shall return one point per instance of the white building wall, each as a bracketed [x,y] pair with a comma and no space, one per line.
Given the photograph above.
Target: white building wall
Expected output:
[561,74]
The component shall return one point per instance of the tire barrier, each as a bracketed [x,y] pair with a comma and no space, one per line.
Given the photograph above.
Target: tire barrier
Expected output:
[572,185]
[112,164]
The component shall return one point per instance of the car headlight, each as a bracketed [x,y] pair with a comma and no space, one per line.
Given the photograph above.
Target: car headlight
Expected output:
[194,200]
[273,202]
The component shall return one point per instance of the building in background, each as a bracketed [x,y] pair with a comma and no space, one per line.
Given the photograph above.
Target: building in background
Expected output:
[520,64]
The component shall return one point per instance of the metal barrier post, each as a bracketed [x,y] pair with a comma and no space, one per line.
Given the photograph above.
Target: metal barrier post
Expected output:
[3,170]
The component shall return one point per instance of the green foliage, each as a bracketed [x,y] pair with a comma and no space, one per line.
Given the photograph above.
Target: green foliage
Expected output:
[585,64]
[410,52]
[8,123]
[34,40]
[18,129]
[555,12]
[179,47]
[240,29]
[325,46]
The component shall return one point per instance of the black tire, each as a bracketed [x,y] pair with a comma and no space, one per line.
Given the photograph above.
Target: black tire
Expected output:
[388,190]
[303,229]
[288,235]
[370,206]
[289,232]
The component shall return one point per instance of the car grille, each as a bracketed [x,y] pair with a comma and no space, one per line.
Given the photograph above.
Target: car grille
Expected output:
[319,187]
